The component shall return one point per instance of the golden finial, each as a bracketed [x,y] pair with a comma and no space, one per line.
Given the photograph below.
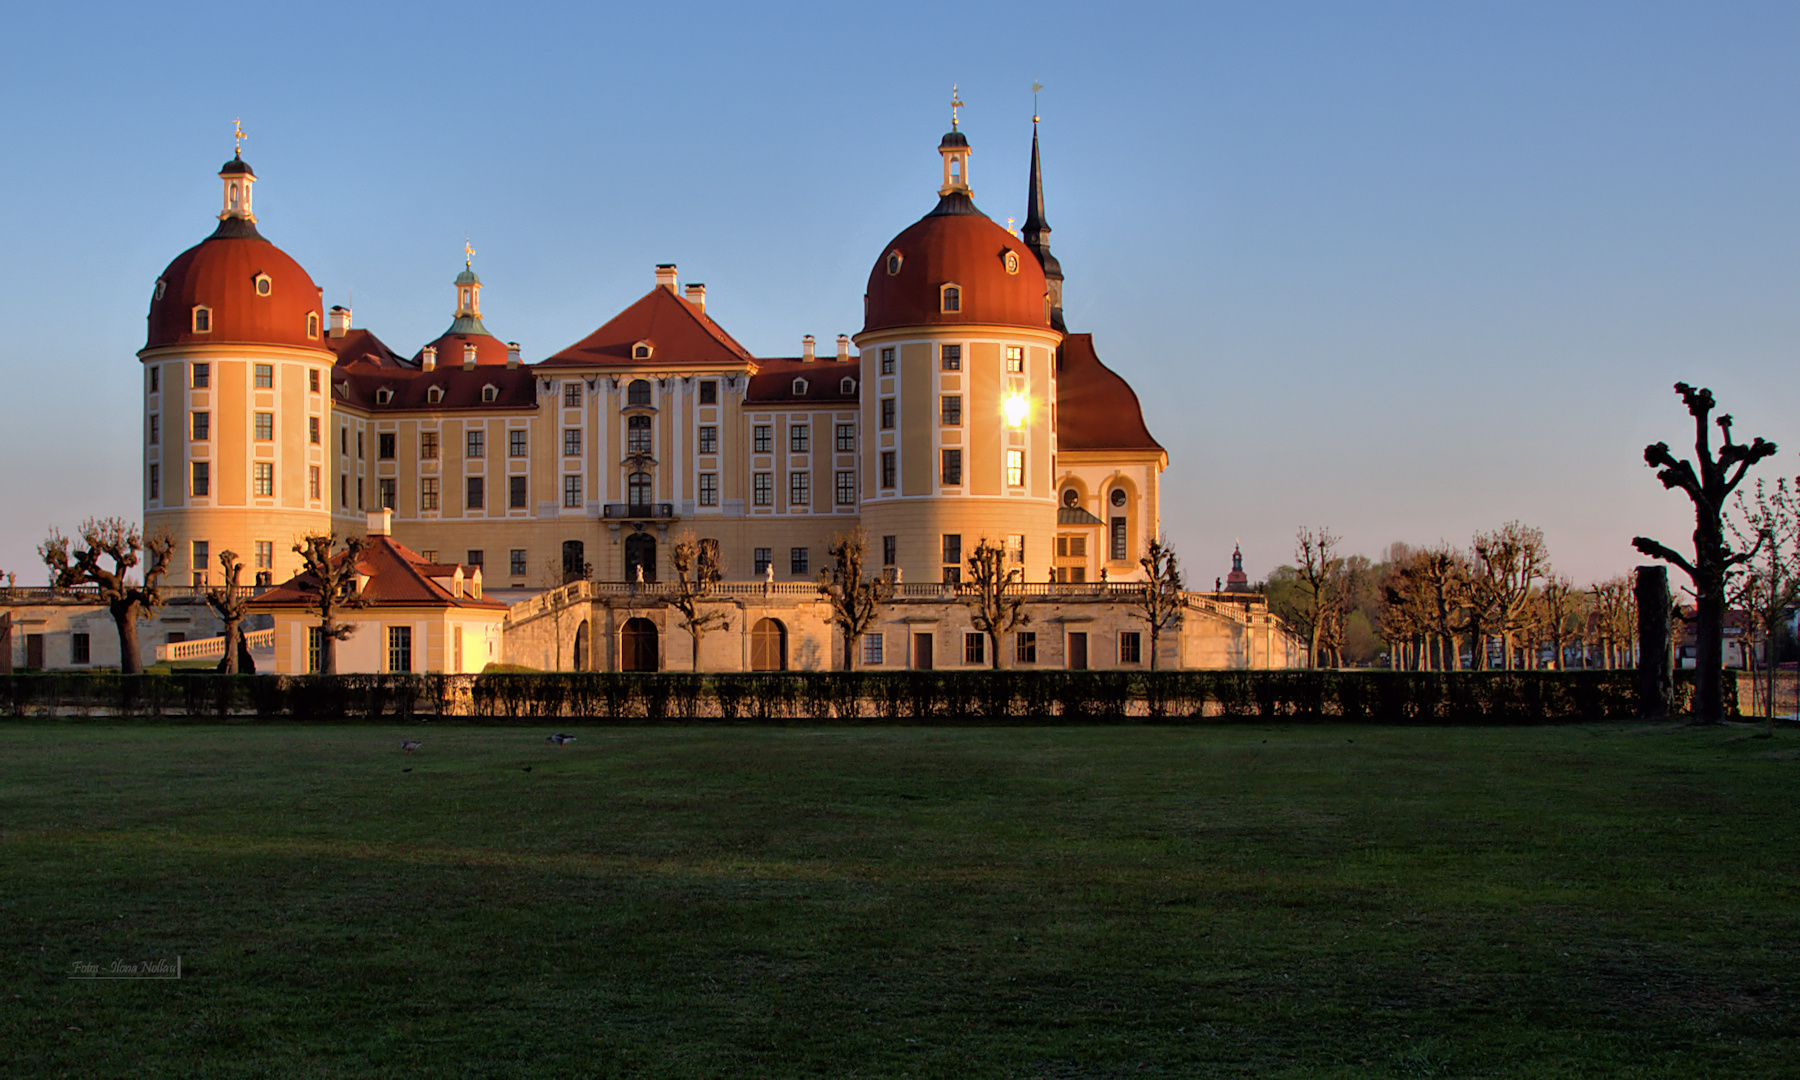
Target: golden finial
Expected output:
[1009,225]
[468,255]
[238,134]
[955,104]
[1035,87]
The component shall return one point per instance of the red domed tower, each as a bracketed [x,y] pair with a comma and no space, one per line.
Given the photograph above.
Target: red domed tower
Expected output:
[958,364]
[236,399]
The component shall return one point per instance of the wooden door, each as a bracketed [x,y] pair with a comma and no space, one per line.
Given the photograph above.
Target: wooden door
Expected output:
[1078,660]
[921,652]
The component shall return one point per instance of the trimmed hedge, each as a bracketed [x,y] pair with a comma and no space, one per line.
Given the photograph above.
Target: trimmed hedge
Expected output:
[882,696]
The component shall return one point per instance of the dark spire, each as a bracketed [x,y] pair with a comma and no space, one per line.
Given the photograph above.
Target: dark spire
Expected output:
[1036,233]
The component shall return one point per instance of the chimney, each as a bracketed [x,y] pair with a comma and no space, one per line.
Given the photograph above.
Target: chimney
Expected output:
[428,358]
[665,276]
[696,295]
[381,522]
[806,349]
[468,356]
[512,354]
[340,321]
[843,348]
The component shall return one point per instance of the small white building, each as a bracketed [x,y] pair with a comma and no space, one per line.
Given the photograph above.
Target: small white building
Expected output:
[409,615]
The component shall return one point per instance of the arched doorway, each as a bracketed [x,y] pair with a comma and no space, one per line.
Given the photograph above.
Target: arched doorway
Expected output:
[581,646]
[637,646]
[575,567]
[768,646]
[640,551]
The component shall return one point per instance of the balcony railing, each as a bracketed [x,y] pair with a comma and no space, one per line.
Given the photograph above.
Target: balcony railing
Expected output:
[661,511]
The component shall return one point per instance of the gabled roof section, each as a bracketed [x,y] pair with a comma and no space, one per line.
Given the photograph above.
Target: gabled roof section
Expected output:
[1095,408]
[773,383]
[397,577]
[362,349]
[356,387]
[682,332]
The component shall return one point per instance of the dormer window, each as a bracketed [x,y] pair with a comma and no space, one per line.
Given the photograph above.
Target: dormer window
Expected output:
[264,285]
[161,288]
[490,392]
[435,394]
[383,396]
[894,260]
[642,350]
[312,324]
[202,319]
[847,386]
[950,299]
[800,387]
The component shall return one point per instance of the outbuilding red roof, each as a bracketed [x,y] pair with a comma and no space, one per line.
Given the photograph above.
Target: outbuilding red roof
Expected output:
[1095,408]
[397,577]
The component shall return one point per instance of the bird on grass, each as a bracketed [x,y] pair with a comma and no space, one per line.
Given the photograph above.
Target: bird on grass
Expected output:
[560,740]
[409,745]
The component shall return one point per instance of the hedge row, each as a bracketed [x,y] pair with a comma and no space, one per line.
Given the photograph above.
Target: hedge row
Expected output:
[887,696]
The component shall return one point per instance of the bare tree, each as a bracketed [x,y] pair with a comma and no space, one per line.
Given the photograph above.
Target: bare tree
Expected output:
[1509,561]
[1615,619]
[1708,487]
[1769,587]
[697,570]
[119,542]
[557,604]
[1160,604]
[855,599]
[1557,602]
[228,601]
[999,609]
[1320,570]
[332,583]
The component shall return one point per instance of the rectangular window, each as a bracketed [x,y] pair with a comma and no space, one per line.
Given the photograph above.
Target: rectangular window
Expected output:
[385,443]
[516,562]
[1015,548]
[265,376]
[799,438]
[202,426]
[1015,468]
[202,479]
[399,648]
[155,481]
[887,414]
[1025,647]
[473,558]
[476,494]
[384,493]
[887,361]
[202,561]
[572,492]
[1130,647]
[796,560]
[344,491]
[344,440]
[428,493]
[763,559]
[312,380]
[799,489]
[887,468]
[709,439]
[709,392]
[637,435]
[761,439]
[265,554]
[516,492]
[1015,359]
[890,550]
[315,649]
[873,647]
[359,445]
[359,493]
[950,357]
[475,445]
[202,376]
[762,489]
[79,649]
[515,443]
[155,379]
[950,410]
[429,555]
[265,427]
[974,648]
[953,575]
[846,487]
[155,429]
[952,467]
[312,430]
[1118,539]
[571,442]
[953,549]
[428,445]
[313,483]
[709,489]
[846,438]
[572,395]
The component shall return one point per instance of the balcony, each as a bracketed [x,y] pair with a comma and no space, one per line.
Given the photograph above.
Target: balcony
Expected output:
[618,511]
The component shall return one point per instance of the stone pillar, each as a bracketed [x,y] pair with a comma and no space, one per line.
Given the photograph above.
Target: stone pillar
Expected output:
[1656,680]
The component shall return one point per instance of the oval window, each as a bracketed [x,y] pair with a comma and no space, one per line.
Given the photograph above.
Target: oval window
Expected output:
[1012,262]
[263,285]
[894,260]
[1071,497]
[1118,496]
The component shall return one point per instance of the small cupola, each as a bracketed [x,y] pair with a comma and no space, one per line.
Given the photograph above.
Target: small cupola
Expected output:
[468,286]
[955,150]
[238,178]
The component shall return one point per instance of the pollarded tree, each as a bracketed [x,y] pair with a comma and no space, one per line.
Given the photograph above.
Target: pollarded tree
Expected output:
[1707,486]
[697,570]
[999,609]
[1160,604]
[1508,562]
[1321,574]
[229,602]
[855,599]
[1768,588]
[1558,602]
[332,583]
[118,542]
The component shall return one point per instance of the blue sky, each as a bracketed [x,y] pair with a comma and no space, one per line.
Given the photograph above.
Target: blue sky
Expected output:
[1405,270]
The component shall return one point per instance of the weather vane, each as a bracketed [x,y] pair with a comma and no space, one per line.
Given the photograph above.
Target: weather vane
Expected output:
[955,104]
[468,255]
[1035,87]
[238,135]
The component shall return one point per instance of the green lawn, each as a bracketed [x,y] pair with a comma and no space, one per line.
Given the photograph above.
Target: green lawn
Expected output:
[760,901]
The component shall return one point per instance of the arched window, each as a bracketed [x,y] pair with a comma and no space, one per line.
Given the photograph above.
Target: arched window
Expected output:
[574,561]
[312,324]
[435,394]
[581,646]
[768,646]
[383,396]
[202,319]
[952,296]
[490,392]
[638,393]
[640,555]
[638,489]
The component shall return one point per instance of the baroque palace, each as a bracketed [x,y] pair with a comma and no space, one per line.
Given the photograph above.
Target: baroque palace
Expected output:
[963,411]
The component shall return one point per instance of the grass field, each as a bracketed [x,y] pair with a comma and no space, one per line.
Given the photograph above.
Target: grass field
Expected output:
[926,902]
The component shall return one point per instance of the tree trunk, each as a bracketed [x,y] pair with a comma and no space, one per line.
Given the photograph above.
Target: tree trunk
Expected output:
[327,649]
[228,664]
[125,614]
[1655,681]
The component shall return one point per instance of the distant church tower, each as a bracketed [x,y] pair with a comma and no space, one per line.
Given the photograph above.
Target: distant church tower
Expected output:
[1237,580]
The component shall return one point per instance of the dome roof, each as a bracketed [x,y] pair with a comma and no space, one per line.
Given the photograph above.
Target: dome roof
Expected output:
[489,350]
[222,273]
[956,244]
[237,166]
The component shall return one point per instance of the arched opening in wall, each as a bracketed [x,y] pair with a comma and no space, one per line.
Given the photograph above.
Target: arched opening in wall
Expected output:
[768,646]
[574,562]
[637,645]
[581,646]
[640,554]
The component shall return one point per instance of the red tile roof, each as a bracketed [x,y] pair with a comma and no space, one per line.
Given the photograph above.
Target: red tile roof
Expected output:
[357,385]
[773,382]
[956,244]
[220,272]
[1095,408]
[398,577]
[678,331]
[362,347]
